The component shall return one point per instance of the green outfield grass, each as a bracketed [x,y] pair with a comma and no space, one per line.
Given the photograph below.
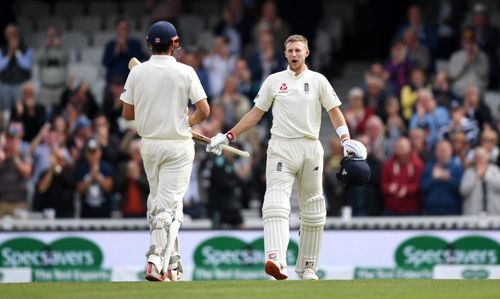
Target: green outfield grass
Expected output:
[359,289]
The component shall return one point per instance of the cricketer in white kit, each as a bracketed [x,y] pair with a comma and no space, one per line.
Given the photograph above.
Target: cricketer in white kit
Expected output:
[294,151]
[156,96]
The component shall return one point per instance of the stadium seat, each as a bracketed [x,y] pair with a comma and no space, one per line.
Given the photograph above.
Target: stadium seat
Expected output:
[189,27]
[26,25]
[100,39]
[35,39]
[492,100]
[134,8]
[109,22]
[442,65]
[74,39]
[84,71]
[86,24]
[212,21]
[204,40]
[103,8]
[34,9]
[45,22]
[323,48]
[68,8]
[91,55]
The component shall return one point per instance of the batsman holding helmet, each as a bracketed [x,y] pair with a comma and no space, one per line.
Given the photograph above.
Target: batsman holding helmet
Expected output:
[297,95]
[156,96]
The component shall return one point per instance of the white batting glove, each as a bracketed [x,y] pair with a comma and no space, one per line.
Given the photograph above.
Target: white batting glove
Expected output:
[354,148]
[215,144]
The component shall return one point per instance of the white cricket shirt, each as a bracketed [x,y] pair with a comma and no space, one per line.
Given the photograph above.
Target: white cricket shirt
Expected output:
[297,102]
[159,89]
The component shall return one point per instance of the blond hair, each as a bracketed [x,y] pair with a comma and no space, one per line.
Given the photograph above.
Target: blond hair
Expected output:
[296,38]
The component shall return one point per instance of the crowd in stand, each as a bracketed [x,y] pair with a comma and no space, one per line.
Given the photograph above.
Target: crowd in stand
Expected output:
[432,141]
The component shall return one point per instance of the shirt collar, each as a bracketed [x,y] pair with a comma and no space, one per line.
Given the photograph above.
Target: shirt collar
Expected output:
[292,73]
[162,58]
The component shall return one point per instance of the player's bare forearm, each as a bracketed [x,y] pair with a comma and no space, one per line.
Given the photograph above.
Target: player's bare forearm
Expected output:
[128,111]
[337,118]
[201,112]
[248,121]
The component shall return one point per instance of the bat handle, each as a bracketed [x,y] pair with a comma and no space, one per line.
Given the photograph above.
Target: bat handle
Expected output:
[235,150]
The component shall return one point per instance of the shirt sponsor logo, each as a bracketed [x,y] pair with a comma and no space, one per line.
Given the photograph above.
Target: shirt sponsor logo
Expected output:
[283,88]
[279,167]
[306,88]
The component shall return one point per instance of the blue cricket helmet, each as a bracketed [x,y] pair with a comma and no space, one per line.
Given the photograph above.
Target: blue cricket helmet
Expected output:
[161,33]
[353,172]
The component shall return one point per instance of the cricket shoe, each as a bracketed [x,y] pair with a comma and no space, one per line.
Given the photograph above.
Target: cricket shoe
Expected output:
[174,274]
[276,270]
[308,274]
[152,274]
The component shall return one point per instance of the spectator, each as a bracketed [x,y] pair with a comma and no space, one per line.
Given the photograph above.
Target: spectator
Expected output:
[409,92]
[108,143]
[442,91]
[228,28]
[266,60]
[440,183]
[400,181]
[53,68]
[476,109]
[426,35]
[30,113]
[488,39]
[225,192]
[429,116]
[489,141]
[82,132]
[246,85]
[461,123]
[376,137]
[195,60]
[112,105]
[119,50]
[398,67]
[419,146]
[270,20]
[395,126]
[132,184]
[417,54]
[219,64]
[357,114]
[94,183]
[468,66]
[55,189]
[375,94]
[480,186]
[235,104]
[15,172]
[16,60]
[193,203]
[82,96]
[460,148]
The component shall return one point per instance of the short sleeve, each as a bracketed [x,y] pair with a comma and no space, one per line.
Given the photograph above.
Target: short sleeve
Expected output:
[328,96]
[264,99]
[127,95]
[196,91]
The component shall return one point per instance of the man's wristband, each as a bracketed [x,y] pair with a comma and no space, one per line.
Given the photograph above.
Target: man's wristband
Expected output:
[341,131]
[230,136]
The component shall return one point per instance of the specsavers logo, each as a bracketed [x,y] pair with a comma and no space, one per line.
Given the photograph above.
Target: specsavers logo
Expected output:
[232,258]
[61,253]
[424,252]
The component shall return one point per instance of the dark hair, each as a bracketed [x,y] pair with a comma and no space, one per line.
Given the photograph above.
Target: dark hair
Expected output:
[157,49]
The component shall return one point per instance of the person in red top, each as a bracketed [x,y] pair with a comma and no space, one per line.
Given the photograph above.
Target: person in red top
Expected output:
[400,181]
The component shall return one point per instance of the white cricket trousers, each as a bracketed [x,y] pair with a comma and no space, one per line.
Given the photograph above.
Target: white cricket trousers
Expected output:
[168,165]
[288,159]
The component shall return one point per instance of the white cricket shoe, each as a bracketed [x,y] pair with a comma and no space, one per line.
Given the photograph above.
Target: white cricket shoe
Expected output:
[152,274]
[276,270]
[174,274]
[308,274]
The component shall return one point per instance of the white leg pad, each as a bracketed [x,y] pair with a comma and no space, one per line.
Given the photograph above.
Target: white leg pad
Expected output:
[276,217]
[312,223]
[159,237]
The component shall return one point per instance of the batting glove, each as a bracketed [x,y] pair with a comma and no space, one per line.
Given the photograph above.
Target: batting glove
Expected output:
[354,148]
[216,142]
